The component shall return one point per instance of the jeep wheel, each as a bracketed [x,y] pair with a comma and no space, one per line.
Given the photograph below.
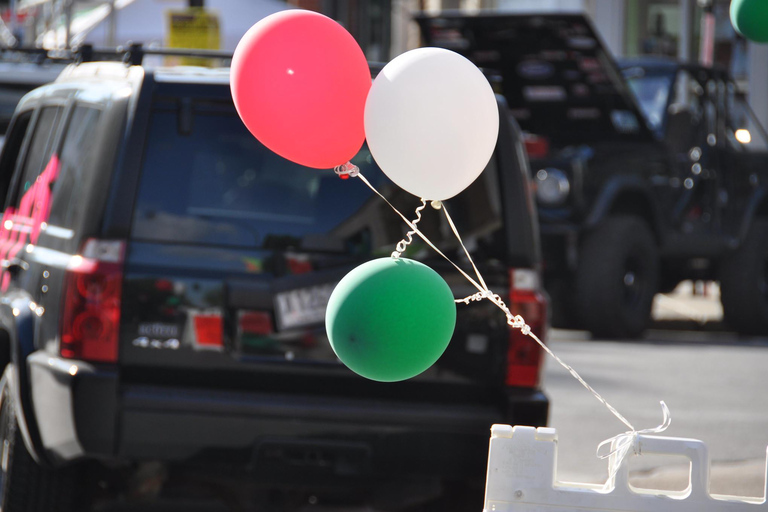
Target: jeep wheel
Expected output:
[744,283]
[617,278]
[24,485]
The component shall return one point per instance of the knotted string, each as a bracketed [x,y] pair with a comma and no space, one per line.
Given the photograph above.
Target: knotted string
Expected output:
[621,443]
[347,170]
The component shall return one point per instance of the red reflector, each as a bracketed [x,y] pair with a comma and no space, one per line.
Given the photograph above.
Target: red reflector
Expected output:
[524,355]
[164,285]
[255,322]
[536,146]
[209,330]
[299,265]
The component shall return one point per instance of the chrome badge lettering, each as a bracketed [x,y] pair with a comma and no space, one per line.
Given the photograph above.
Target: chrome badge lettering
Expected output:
[159,330]
[145,342]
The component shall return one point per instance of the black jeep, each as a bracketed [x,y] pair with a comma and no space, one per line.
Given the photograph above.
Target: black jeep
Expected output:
[644,178]
[163,295]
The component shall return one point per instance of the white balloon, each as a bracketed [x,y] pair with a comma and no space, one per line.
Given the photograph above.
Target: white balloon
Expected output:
[431,121]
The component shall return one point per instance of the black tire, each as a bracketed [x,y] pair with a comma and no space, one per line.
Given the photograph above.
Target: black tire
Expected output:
[24,485]
[617,278]
[744,283]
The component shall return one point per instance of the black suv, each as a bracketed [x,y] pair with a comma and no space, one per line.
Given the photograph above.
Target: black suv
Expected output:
[644,178]
[163,295]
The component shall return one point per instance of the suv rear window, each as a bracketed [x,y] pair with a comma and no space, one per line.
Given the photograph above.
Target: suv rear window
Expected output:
[207,180]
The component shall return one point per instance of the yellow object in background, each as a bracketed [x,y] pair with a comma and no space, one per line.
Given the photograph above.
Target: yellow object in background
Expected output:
[193,28]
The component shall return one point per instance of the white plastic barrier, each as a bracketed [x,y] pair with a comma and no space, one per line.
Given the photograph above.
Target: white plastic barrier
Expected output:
[522,477]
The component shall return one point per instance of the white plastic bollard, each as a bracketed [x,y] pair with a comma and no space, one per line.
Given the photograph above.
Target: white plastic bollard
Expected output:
[522,477]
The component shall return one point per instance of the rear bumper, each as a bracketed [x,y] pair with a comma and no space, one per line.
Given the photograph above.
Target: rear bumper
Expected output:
[285,431]
[280,437]
[75,405]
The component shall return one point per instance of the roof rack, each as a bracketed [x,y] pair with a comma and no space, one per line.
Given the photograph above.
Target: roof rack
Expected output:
[132,54]
[32,55]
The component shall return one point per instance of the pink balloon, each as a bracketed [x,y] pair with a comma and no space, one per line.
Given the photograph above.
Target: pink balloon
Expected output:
[300,81]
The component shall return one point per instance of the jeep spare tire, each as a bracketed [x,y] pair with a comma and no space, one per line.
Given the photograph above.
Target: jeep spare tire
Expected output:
[617,278]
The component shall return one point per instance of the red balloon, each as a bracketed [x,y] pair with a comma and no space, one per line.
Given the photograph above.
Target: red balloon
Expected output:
[300,81]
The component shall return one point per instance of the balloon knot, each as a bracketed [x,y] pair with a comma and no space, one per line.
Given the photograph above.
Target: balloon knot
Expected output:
[347,170]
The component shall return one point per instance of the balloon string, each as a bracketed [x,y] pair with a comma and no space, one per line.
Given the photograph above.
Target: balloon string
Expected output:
[419,233]
[518,322]
[469,257]
[405,242]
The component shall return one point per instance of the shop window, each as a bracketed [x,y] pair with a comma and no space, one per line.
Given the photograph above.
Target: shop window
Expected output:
[652,27]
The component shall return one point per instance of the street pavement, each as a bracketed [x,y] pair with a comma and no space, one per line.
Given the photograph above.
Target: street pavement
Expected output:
[713,381]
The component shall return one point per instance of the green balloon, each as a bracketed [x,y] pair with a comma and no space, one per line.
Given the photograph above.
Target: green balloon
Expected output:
[750,19]
[390,319]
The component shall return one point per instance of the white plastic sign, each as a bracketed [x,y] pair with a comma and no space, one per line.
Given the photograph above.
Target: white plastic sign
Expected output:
[522,477]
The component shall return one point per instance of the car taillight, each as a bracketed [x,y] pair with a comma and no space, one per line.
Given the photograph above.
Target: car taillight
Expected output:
[90,319]
[536,146]
[254,327]
[524,355]
[255,323]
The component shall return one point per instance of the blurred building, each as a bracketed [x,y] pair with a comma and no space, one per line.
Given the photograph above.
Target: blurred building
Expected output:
[385,28]
[109,23]
[667,28]
[369,21]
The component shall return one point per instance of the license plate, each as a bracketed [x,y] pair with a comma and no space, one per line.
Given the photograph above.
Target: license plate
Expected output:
[302,307]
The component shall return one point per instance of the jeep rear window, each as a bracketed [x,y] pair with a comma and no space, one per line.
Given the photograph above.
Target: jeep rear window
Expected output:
[211,182]
[652,91]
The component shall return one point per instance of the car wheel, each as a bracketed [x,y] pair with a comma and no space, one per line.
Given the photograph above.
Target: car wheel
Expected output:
[24,485]
[617,278]
[744,283]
